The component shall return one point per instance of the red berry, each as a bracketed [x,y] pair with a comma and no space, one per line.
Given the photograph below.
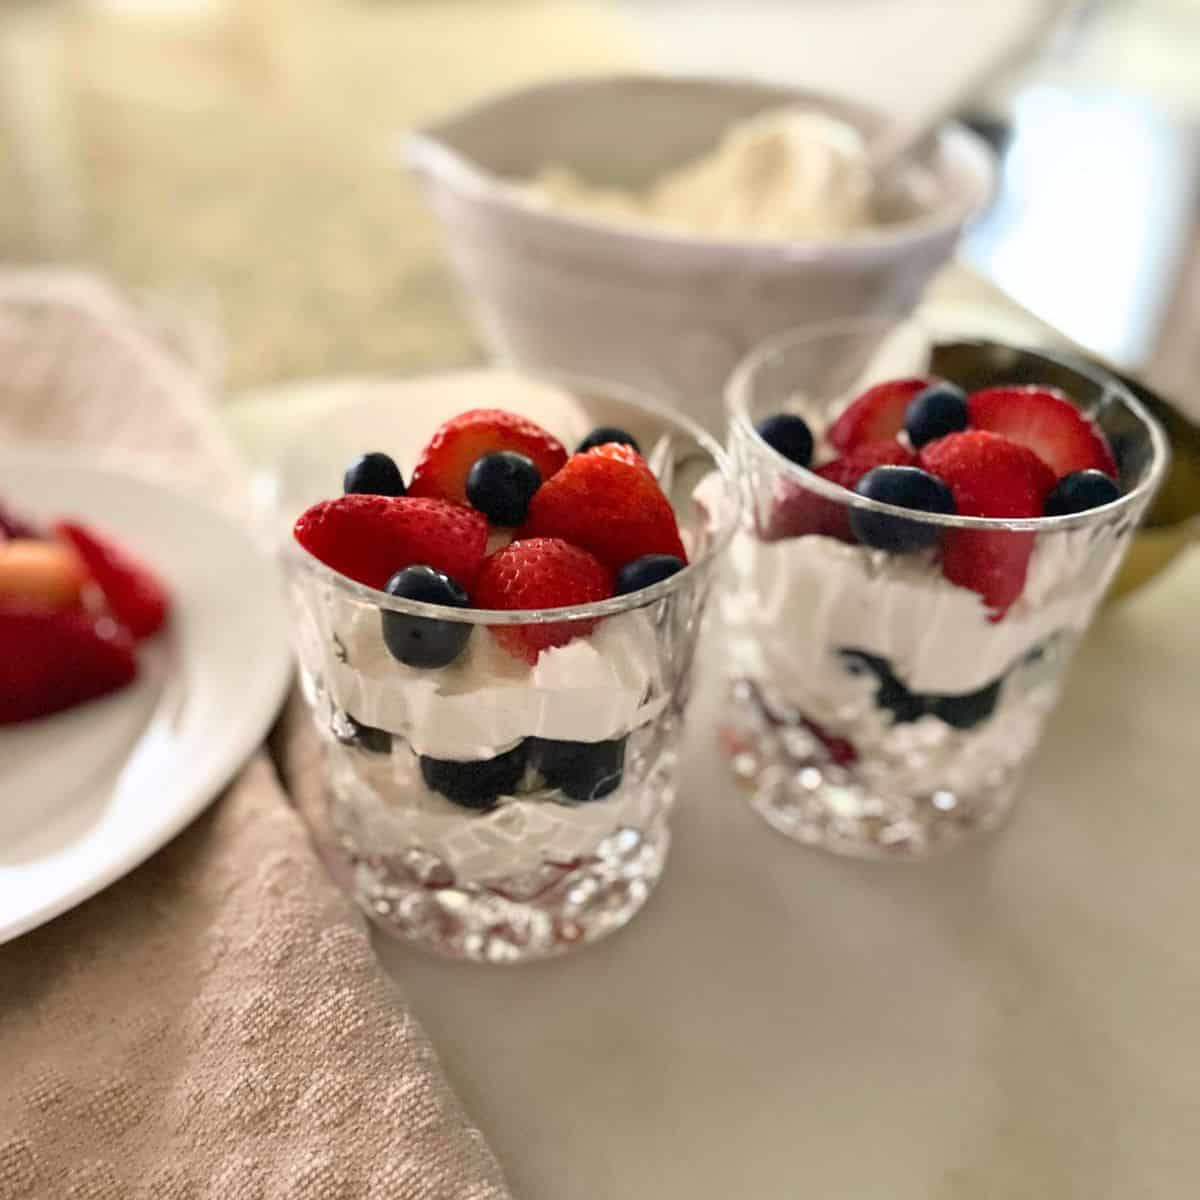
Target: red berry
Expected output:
[989,475]
[132,591]
[610,508]
[535,574]
[841,752]
[52,658]
[441,472]
[798,511]
[1044,420]
[877,414]
[370,538]
[623,453]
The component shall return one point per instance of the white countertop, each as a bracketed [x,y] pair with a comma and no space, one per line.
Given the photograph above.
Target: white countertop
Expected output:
[1015,1020]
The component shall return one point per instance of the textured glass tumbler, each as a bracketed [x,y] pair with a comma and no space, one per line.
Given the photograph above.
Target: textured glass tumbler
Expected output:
[496,810]
[878,709]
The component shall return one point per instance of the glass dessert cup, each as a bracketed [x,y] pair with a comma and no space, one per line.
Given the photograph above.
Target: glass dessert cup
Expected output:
[878,709]
[492,810]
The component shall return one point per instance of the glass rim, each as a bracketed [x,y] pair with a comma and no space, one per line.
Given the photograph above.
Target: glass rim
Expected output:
[299,557]
[737,402]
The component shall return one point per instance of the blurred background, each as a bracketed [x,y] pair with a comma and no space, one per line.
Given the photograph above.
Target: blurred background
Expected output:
[233,161]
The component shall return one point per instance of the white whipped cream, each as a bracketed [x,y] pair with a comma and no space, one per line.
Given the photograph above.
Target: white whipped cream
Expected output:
[590,690]
[786,173]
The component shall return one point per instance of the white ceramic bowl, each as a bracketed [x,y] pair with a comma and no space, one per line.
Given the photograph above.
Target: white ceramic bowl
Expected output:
[669,313]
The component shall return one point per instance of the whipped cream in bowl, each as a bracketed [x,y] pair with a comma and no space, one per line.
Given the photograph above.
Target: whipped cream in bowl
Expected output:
[511,799]
[892,680]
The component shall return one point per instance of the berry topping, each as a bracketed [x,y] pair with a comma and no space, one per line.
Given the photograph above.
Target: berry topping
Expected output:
[48,572]
[877,414]
[646,571]
[607,435]
[788,435]
[582,771]
[422,641]
[132,591]
[541,573]
[501,486]
[476,784]
[58,657]
[1080,491]
[446,462]
[906,487]
[989,475]
[370,538]
[614,510]
[798,511]
[937,411]
[1044,420]
[373,474]
[622,453]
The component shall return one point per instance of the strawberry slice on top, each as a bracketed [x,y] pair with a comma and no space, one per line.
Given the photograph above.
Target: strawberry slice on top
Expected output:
[876,415]
[1044,420]
[541,573]
[609,507]
[370,538]
[442,470]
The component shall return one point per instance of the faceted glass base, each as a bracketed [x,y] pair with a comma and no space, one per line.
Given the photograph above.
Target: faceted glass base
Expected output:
[797,784]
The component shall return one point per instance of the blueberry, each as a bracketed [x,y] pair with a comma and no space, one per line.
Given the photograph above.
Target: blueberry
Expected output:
[645,571]
[580,770]
[906,487]
[969,709]
[373,474]
[939,410]
[476,784]
[366,737]
[892,694]
[501,486]
[603,435]
[790,435]
[1080,491]
[420,641]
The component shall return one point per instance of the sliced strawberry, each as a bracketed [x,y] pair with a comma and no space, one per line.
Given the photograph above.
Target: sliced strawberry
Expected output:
[841,752]
[536,574]
[613,510]
[1044,420]
[798,511]
[990,477]
[877,414]
[441,473]
[624,453]
[47,572]
[135,595]
[370,538]
[53,658]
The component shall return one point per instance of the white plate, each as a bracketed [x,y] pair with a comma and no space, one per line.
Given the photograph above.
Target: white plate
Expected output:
[89,794]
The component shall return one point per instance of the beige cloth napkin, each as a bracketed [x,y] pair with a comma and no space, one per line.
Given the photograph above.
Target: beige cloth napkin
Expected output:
[214,1025]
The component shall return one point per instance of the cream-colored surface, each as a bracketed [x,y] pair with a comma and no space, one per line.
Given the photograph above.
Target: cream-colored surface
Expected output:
[787,173]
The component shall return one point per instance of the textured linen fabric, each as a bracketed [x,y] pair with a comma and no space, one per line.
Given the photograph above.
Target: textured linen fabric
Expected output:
[215,1024]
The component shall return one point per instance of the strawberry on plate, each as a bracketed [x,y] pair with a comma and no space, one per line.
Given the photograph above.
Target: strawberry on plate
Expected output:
[1044,420]
[54,658]
[609,507]
[877,414]
[535,574]
[989,476]
[133,593]
[370,538]
[797,511]
[50,572]
[442,470]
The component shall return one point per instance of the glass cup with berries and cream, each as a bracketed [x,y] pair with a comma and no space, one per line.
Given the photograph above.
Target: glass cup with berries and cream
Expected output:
[927,530]
[496,632]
